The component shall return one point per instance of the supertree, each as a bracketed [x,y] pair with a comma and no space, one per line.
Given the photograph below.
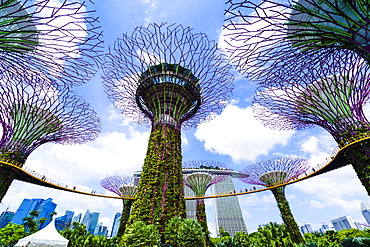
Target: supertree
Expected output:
[199,182]
[165,77]
[58,39]
[329,94]
[124,186]
[32,115]
[272,173]
[263,32]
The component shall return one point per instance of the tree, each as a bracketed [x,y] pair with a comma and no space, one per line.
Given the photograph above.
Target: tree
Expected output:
[29,222]
[140,234]
[185,232]
[11,233]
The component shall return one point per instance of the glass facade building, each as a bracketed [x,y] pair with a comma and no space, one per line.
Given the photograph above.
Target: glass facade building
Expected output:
[64,221]
[115,225]
[306,228]
[365,210]
[44,207]
[227,209]
[5,218]
[344,222]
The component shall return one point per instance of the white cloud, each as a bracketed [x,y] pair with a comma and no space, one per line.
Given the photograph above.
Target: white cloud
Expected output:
[339,188]
[112,153]
[238,134]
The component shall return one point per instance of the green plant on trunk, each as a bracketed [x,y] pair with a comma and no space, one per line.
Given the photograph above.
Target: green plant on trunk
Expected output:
[160,195]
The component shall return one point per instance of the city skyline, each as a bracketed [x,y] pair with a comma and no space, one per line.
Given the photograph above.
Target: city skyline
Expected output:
[120,149]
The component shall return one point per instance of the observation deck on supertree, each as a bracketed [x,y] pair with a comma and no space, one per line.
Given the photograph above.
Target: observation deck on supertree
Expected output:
[122,186]
[331,95]
[168,78]
[266,32]
[60,40]
[270,173]
[32,115]
[199,182]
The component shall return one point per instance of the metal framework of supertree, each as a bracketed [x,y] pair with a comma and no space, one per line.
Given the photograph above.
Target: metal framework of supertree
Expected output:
[264,32]
[168,78]
[60,40]
[199,182]
[122,186]
[330,94]
[31,115]
[273,172]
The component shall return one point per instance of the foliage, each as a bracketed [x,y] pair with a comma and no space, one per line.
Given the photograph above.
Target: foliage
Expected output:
[160,195]
[140,234]
[183,233]
[78,237]
[10,234]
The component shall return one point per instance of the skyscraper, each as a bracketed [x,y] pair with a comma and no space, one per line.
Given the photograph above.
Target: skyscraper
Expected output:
[77,218]
[306,228]
[344,222]
[115,225]
[93,223]
[44,207]
[365,210]
[86,220]
[64,221]
[5,218]
[324,227]
[227,209]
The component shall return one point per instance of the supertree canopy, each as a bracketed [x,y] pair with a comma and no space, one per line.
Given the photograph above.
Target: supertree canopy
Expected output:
[58,39]
[199,182]
[124,186]
[274,172]
[331,95]
[263,31]
[32,115]
[168,78]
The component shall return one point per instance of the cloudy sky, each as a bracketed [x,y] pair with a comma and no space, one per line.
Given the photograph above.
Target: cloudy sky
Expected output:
[234,137]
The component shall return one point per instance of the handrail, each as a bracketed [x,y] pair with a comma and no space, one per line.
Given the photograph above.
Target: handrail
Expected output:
[342,146]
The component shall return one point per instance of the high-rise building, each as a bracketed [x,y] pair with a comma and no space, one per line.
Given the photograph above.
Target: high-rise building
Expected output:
[344,222]
[324,227]
[115,225]
[64,221]
[359,226]
[5,218]
[77,218]
[93,223]
[306,228]
[86,220]
[44,207]
[227,209]
[365,210]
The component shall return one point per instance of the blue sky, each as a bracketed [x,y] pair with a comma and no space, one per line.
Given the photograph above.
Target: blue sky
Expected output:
[234,137]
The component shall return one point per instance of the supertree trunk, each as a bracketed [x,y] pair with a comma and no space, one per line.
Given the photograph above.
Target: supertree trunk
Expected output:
[202,219]
[359,157]
[7,176]
[160,195]
[127,203]
[286,214]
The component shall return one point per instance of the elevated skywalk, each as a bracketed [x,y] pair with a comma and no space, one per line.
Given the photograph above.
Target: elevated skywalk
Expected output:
[336,160]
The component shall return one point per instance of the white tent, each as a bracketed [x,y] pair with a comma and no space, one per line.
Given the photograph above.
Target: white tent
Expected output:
[47,237]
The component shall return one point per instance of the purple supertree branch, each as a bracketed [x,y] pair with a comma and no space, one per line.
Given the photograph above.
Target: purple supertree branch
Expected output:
[266,32]
[61,40]
[331,95]
[291,167]
[114,183]
[199,182]
[134,54]
[34,113]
